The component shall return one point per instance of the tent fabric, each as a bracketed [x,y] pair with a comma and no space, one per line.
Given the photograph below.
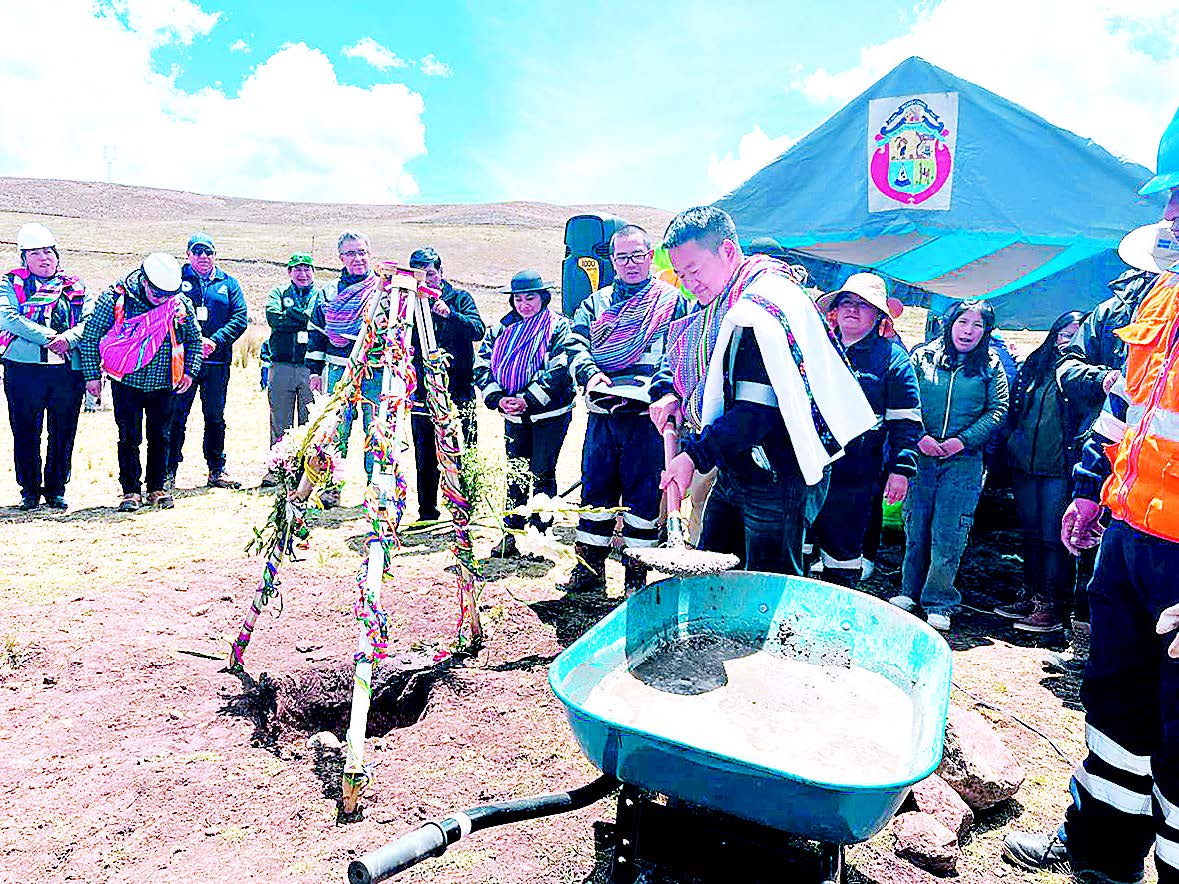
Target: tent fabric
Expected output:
[1034,209]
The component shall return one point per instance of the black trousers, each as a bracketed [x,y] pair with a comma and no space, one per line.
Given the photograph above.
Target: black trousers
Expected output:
[426,455]
[213,383]
[535,448]
[133,409]
[38,394]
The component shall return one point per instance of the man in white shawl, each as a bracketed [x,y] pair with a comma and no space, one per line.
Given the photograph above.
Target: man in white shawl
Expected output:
[766,386]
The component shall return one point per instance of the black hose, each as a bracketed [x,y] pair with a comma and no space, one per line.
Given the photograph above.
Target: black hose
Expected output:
[434,837]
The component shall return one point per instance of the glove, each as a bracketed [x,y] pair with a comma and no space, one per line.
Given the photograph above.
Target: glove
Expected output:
[1080,528]
[1169,622]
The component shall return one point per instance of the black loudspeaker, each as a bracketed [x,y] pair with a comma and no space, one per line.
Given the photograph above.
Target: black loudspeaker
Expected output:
[587,266]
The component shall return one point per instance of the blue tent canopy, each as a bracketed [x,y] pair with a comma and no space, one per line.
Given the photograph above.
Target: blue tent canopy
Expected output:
[951,191]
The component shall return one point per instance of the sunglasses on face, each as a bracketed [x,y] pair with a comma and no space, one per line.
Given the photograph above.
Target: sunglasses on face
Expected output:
[201,250]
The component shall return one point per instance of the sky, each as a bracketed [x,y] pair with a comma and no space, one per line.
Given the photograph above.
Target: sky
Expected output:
[663,104]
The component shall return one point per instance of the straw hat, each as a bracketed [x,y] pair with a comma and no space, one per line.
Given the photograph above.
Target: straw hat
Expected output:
[1152,247]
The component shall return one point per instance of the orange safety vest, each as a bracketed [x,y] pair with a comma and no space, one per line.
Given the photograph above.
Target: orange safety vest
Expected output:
[1143,490]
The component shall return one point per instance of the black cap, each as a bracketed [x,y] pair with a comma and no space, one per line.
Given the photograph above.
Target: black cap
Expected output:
[423,258]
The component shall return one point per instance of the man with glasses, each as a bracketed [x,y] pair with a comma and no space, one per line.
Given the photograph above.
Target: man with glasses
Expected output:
[616,348]
[288,310]
[221,313]
[335,323]
[457,328]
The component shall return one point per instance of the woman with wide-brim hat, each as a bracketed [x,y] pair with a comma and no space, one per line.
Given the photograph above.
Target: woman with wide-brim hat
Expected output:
[522,370]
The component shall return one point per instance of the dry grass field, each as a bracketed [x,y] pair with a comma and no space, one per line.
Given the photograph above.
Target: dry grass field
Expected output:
[128,752]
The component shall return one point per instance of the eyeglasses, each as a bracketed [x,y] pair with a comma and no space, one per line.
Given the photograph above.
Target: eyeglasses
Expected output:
[201,250]
[633,258]
[354,253]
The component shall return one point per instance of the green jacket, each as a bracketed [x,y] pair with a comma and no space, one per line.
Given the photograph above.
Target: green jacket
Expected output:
[287,313]
[954,403]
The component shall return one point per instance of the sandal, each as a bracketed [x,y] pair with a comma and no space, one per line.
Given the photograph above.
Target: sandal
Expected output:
[162,499]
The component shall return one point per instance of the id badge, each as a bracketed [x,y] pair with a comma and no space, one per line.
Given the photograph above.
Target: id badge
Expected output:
[202,313]
[301,337]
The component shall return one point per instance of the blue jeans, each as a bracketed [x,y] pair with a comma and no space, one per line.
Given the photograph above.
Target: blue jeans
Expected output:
[939,512]
[761,519]
[370,392]
[1126,791]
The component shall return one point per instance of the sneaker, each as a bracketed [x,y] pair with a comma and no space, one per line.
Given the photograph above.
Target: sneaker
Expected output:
[270,480]
[940,622]
[1036,853]
[56,502]
[904,603]
[867,568]
[1042,620]
[29,502]
[162,499]
[506,548]
[220,480]
[431,516]
[130,503]
[1064,663]
[1017,610]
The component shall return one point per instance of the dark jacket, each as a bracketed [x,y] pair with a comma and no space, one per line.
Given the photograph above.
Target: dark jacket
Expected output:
[1095,351]
[1038,435]
[223,305]
[288,311]
[971,407]
[550,390]
[749,439]
[887,378]
[456,334]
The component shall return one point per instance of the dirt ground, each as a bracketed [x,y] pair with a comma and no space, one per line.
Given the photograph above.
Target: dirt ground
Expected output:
[128,752]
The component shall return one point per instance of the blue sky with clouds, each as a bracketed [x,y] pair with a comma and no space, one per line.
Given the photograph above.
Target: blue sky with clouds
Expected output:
[667,104]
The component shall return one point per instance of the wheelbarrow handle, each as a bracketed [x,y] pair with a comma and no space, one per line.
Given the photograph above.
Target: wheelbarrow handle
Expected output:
[434,837]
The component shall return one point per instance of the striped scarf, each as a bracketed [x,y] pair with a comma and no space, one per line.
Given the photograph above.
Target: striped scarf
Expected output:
[520,350]
[344,313]
[623,332]
[691,339]
[38,305]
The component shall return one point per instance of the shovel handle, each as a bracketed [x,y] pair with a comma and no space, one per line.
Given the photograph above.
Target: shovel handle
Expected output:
[675,530]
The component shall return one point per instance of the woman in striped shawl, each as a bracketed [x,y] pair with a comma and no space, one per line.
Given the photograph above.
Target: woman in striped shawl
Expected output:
[522,369]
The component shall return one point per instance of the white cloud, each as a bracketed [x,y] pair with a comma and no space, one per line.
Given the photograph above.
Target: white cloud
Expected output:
[239,45]
[381,57]
[162,21]
[260,142]
[754,150]
[432,67]
[1105,69]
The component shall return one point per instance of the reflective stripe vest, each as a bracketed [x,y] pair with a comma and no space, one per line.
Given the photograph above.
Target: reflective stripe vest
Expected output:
[1143,489]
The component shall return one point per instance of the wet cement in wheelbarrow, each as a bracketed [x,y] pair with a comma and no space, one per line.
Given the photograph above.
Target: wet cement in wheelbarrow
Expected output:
[836,724]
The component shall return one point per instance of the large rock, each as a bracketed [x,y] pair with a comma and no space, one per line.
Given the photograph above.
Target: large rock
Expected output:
[925,842]
[977,763]
[869,865]
[934,796]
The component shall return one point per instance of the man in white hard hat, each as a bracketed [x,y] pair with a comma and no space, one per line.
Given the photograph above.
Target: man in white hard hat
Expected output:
[144,335]
[863,321]
[43,314]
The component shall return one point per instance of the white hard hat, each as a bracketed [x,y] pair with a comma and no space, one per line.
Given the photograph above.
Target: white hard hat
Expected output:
[163,272]
[868,286]
[35,236]
[1152,247]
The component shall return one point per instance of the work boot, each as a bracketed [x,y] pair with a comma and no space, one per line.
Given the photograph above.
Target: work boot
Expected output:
[218,479]
[56,502]
[1048,853]
[635,576]
[1043,619]
[28,502]
[589,577]
[506,548]
[1072,661]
